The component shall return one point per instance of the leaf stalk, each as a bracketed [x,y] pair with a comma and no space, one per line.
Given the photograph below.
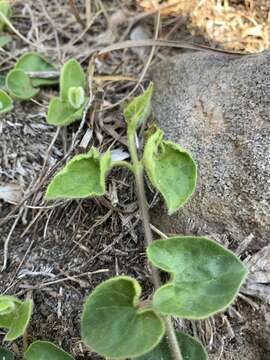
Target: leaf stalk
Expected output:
[138,172]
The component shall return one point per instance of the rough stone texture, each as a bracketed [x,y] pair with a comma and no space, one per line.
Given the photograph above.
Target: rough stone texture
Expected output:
[218,107]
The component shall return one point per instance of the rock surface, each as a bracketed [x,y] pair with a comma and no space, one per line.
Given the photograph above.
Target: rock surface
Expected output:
[218,107]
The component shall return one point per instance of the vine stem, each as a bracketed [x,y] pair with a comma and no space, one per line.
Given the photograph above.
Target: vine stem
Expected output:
[138,171]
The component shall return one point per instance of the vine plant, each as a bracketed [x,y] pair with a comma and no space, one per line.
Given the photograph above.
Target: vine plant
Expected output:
[204,277]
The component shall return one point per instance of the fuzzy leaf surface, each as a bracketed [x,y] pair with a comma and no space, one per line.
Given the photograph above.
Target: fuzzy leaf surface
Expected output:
[82,177]
[6,103]
[72,75]
[19,85]
[14,316]
[114,325]
[6,354]
[171,170]
[60,113]
[76,97]
[138,110]
[33,62]
[191,349]
[8,308]
[205,277]
[20,321]
[44,350]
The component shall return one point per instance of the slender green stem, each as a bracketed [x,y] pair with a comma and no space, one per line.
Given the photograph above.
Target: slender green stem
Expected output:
[138,171]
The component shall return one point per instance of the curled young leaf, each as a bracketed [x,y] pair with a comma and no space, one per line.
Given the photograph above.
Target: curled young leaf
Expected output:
[113,323]
[6,354]
[171,170]
[138,110]
[71,104]
[76,97]
[72,75]
[33,62]
[205,277]
[60,113]
[14,316]
[44,350]
[19,85]
[6,103]
[82,177]
[191,349]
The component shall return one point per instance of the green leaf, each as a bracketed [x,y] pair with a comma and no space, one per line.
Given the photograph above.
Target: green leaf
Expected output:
[82,177]
[8,306]
[6,354]
[113,323]
[61,113]
[171,170]
[2,81]
[72,75]
[14,316]
[44,350]
[205,277]
[33,62]
[138,110]
[191,349]
[6,103]
[4,40]
[20,321]
[76,97]
[19,85]
[5,9]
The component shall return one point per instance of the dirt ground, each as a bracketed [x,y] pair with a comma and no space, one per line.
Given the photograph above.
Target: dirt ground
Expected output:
[58,252]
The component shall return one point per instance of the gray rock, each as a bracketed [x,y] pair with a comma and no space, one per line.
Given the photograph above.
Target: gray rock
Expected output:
[218,106]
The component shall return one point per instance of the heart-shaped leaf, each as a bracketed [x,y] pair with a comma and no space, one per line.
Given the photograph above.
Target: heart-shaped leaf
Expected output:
[6,103]
[76,97]
[191,349]
[72,75]
[14,316]
[33,62]
[113,323]
[6,354]
[44,350]
[60,113]
[171,170]
[4,40]
[205,277]
[19,85]
[82,177]
[138,110]
[5,9]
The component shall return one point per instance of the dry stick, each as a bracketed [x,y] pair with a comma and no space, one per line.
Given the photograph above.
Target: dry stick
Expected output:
[165,43]
[145,69]
[138,170]
[5,256]
[66,46]
[88,11]
[76,13]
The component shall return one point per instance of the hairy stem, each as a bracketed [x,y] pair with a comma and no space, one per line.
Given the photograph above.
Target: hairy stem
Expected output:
[138,171]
